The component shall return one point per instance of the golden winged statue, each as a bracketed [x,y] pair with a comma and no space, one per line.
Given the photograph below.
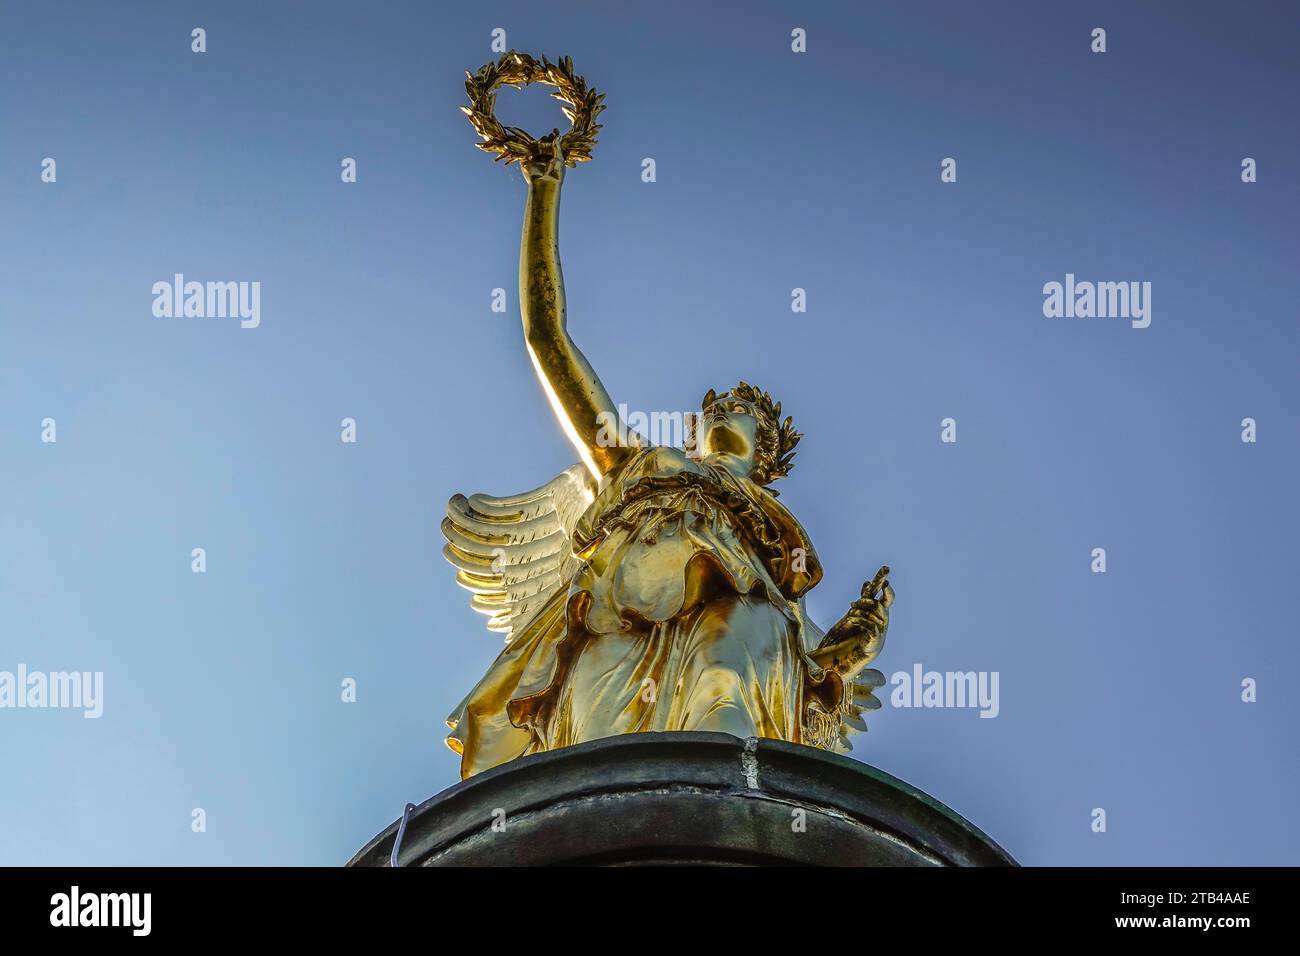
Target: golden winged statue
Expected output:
[645,588]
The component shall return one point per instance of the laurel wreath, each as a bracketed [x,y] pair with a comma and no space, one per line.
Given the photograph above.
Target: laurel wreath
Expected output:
[776,439]
[515,145]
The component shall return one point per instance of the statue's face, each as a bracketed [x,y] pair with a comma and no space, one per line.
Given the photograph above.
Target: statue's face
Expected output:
[729,426]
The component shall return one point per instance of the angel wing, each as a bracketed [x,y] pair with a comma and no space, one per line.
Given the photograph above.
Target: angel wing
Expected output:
[514,553]
[859,696]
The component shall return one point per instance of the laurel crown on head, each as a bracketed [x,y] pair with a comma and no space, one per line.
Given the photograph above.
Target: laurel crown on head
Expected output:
[774,454]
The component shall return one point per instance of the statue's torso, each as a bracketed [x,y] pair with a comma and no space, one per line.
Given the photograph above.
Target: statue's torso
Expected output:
[666,532]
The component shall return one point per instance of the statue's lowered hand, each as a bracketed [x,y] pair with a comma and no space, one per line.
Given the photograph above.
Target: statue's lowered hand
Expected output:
[859,636]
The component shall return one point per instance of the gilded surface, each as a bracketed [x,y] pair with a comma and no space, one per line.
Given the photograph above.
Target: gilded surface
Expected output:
[647,589]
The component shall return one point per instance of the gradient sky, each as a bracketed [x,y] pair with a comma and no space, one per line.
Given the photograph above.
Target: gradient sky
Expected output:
[775,171]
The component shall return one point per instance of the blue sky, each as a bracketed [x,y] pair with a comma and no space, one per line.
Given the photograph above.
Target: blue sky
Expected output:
[775,170]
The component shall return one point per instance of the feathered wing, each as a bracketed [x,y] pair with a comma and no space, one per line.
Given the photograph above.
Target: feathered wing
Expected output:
[858,695]
[514,553]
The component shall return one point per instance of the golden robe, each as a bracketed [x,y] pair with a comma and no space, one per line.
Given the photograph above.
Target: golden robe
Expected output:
[683,615]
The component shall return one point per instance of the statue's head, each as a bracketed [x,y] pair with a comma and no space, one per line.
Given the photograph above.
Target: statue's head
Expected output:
[744,422]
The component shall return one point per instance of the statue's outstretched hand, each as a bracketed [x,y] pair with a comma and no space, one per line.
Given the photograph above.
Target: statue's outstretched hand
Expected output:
[548,164]
[859,635]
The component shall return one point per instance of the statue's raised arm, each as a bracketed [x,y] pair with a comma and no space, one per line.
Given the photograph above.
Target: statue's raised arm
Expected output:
[575,391]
